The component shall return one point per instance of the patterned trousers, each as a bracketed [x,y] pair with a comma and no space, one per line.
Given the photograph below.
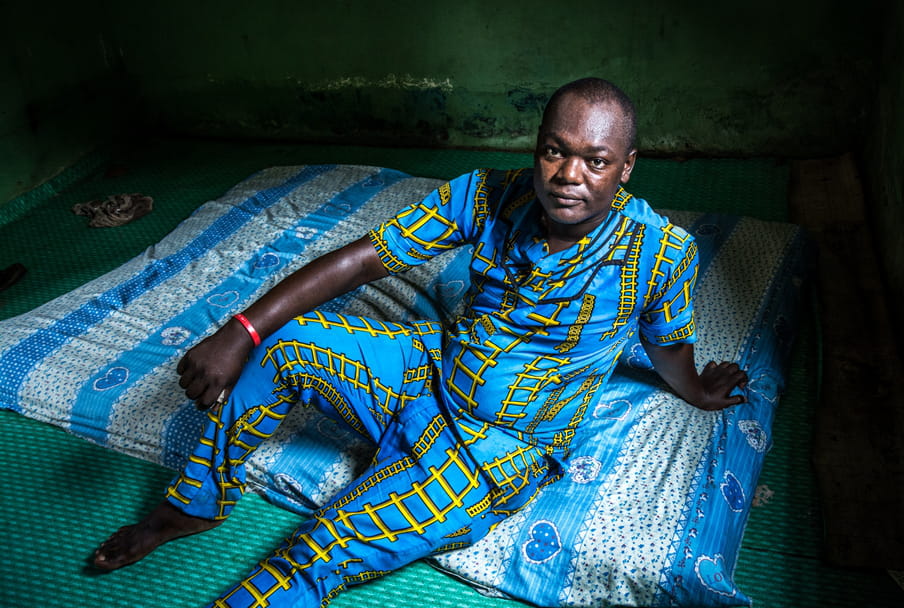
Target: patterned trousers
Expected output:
[423,493]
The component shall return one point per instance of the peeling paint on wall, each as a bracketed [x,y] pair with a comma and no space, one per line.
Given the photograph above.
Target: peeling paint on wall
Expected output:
[525,99]
[390,81]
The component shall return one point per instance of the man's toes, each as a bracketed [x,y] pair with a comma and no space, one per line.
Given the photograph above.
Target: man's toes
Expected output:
[111,552]
[102,556]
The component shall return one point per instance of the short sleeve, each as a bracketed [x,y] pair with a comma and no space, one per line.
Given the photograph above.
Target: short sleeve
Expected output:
[668,317]
[447,218]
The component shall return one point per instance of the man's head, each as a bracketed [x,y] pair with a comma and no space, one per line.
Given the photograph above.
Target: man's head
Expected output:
[585,149]
[597,90]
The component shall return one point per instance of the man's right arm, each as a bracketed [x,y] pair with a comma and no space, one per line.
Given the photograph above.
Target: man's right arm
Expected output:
[214,364]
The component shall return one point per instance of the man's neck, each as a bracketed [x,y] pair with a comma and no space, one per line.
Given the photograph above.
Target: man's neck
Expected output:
[560,237]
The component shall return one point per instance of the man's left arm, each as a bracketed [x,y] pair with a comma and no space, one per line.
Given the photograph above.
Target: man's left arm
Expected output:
[708,390]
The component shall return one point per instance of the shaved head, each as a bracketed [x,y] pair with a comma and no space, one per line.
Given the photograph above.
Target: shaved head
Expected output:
[599,91]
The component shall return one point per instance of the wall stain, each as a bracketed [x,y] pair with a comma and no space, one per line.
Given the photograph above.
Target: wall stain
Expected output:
[527,100]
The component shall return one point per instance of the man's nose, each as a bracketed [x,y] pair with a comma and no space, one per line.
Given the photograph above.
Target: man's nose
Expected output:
[569,170]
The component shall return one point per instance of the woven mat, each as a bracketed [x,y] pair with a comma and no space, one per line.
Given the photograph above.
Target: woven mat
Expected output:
[72,494]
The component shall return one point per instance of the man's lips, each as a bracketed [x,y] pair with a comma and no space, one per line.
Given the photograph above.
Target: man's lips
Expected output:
[565,199]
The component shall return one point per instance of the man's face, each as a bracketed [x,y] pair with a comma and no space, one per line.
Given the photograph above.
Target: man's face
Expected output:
[582,155]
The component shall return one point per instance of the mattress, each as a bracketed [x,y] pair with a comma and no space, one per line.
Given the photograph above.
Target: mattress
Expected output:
[652,513]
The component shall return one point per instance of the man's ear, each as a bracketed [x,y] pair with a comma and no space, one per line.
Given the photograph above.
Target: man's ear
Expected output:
[629,166]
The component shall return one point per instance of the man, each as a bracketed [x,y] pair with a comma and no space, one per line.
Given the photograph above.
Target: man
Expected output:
[470,420]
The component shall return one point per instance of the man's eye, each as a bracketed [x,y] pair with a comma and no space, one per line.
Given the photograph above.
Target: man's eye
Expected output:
[551,151]
[597,163]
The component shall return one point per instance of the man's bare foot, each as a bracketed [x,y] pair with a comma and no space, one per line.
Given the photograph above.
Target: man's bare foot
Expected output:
[131,543]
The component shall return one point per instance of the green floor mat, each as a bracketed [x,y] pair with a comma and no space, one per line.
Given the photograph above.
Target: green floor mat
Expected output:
[69,495]
[64,495]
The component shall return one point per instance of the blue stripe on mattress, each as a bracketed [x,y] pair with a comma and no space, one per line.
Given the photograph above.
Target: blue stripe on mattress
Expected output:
[25,355]
[711,230]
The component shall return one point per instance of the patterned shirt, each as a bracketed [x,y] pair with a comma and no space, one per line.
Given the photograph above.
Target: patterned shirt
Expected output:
[542,331]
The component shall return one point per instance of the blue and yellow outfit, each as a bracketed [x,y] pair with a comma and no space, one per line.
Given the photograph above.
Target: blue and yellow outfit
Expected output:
[470,420]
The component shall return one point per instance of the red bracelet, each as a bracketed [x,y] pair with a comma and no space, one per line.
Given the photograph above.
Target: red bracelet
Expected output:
[255,337]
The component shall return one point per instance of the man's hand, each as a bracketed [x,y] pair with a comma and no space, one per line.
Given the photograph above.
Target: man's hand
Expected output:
[709,390]
[717,381]
[212,367]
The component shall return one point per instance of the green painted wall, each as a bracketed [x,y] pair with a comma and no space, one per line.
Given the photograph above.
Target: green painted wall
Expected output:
[883,154]
[61,89]
[729,78]
[709,77]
